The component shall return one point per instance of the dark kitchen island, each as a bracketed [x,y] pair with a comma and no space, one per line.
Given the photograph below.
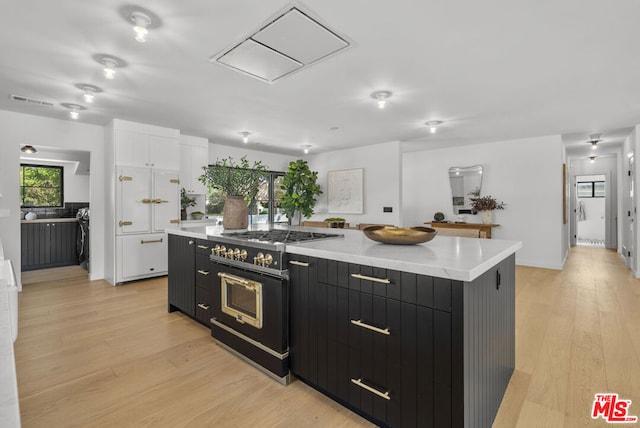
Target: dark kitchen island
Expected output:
[407,336]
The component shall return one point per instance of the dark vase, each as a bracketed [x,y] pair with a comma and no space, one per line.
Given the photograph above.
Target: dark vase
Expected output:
[183,214]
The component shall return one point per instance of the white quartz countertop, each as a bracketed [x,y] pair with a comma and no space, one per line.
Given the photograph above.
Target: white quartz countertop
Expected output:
[451,257]
[52,220]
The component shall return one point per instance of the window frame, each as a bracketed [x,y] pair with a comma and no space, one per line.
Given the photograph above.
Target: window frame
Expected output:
[592,184]
[61,187]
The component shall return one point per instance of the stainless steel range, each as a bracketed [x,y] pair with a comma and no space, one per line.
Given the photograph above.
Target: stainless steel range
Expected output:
[250,305]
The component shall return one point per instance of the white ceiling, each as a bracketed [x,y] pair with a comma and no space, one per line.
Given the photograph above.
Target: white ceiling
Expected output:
[492,70]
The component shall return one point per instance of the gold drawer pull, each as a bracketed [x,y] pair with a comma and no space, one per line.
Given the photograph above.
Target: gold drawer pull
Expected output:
[124,223]
[297,263]
[175,221]
[150,241]
[204,247]
[359,323]
[147,201]
[175,181]
[125,178]
[362,385]
[205,307]
[370,278]
[203,272]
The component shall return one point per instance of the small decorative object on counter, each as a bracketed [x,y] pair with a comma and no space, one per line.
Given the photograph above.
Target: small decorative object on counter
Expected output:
[486,205]
[400,236]
[335,222]
[30,216]
[438,216]
[197,215]
[185,202]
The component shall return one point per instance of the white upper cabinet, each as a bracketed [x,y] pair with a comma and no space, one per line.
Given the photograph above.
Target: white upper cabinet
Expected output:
[194,154]
[134,148]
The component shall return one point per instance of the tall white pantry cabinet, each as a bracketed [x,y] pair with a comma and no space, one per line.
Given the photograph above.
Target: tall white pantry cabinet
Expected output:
[143,198]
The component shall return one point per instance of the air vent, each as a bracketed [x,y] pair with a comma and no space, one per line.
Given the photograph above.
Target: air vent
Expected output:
[30,100]
[286,44]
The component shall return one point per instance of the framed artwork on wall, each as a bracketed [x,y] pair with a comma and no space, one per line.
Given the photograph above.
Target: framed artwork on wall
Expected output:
[345,191]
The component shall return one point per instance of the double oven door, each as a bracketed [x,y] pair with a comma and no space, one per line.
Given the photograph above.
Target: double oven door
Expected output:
[252,304]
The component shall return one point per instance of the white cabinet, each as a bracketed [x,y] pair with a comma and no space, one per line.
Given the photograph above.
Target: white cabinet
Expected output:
[146,150]
[141,256]
[147,200]
[194,154]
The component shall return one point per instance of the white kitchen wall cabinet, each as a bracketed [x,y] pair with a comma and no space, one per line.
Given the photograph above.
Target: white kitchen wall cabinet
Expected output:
[140,149]
[194,154]
[143,196]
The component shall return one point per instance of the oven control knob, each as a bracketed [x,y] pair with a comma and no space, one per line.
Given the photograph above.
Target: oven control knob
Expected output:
[268,259]
[236,254]
[223,251]
[258,259]
[216,250]
[230,253]
[243,255]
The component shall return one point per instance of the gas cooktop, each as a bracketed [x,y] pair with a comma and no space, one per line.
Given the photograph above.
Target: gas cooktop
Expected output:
[279,236]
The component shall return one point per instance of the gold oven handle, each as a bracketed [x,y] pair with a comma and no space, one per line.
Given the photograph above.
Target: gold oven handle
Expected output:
[233,278]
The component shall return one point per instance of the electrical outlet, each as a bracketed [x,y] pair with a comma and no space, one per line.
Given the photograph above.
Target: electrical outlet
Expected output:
[387,209]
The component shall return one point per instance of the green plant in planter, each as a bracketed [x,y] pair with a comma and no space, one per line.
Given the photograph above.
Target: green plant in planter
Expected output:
[301,188]
[236,179]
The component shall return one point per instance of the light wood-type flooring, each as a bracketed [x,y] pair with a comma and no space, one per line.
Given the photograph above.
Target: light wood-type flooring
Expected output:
[93,355]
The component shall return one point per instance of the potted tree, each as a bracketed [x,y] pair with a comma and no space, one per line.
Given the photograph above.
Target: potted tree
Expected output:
[186,201]
[300,190]
[240,183]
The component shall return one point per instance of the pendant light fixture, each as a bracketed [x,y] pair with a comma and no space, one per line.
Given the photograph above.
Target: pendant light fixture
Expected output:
[381,97]
[433,125]
[594,139]
[28,149]
[592,159]
[75,109]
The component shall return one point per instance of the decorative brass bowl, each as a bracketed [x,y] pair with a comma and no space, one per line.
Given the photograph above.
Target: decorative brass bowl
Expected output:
[400,236]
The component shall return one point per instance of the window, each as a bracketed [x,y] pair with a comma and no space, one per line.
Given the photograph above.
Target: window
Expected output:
[265,208]
[41,186]
[591,189]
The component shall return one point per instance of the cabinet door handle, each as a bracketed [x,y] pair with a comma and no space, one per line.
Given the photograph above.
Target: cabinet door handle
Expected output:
[175,221]
[370,278]
[359,323]
[125,178]
[204,247]
[174,180]
[205,307]
[124,223]
[159,201]
[362,385]
[150,241]
[147,201]
[297,263]
[203,272]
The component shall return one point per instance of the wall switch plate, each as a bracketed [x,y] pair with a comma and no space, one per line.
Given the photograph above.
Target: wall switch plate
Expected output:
[387,209]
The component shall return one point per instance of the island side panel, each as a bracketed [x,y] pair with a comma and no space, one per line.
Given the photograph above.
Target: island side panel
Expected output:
[488,341]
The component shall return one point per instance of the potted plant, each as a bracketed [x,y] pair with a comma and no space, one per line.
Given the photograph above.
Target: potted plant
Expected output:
[300,190]
[240,183]
[486,205]
[337,222]
[185,202]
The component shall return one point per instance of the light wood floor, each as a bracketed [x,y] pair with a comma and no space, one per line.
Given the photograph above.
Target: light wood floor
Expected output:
[89,354]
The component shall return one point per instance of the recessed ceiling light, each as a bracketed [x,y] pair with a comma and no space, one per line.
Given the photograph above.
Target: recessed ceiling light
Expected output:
[433,125]
[89,91]
[594,139]
[381,97]
[109,64]
[305,148]
[75,110]
[140,23]
[245,136]
[592,158]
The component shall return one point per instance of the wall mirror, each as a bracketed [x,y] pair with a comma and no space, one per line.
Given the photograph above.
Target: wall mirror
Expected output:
[465,184]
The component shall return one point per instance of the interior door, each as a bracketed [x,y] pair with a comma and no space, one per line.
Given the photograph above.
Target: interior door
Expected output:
[166,207]
[133,193]
[631,214]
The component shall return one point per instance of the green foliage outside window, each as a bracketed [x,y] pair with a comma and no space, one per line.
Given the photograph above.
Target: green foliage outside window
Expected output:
[41,186]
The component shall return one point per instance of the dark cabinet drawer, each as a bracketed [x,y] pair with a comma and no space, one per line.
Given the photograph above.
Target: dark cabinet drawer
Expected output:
[203,247]
[204,305]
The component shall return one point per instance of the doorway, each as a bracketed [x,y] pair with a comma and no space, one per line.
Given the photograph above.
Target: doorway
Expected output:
[591,210]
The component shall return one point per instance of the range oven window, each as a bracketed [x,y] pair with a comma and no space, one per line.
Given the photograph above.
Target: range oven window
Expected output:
[242,299]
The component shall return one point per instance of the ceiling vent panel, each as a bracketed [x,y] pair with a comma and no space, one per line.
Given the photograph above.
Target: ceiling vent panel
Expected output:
[29,100]
[300,37]
[259,61]
[286,44]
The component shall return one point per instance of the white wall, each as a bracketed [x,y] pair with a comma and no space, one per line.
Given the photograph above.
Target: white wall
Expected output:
[382,181]
[526,174]
[17,129]
[273,161]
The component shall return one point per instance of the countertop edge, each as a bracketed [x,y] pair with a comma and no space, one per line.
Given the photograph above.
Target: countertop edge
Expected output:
[51,220]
